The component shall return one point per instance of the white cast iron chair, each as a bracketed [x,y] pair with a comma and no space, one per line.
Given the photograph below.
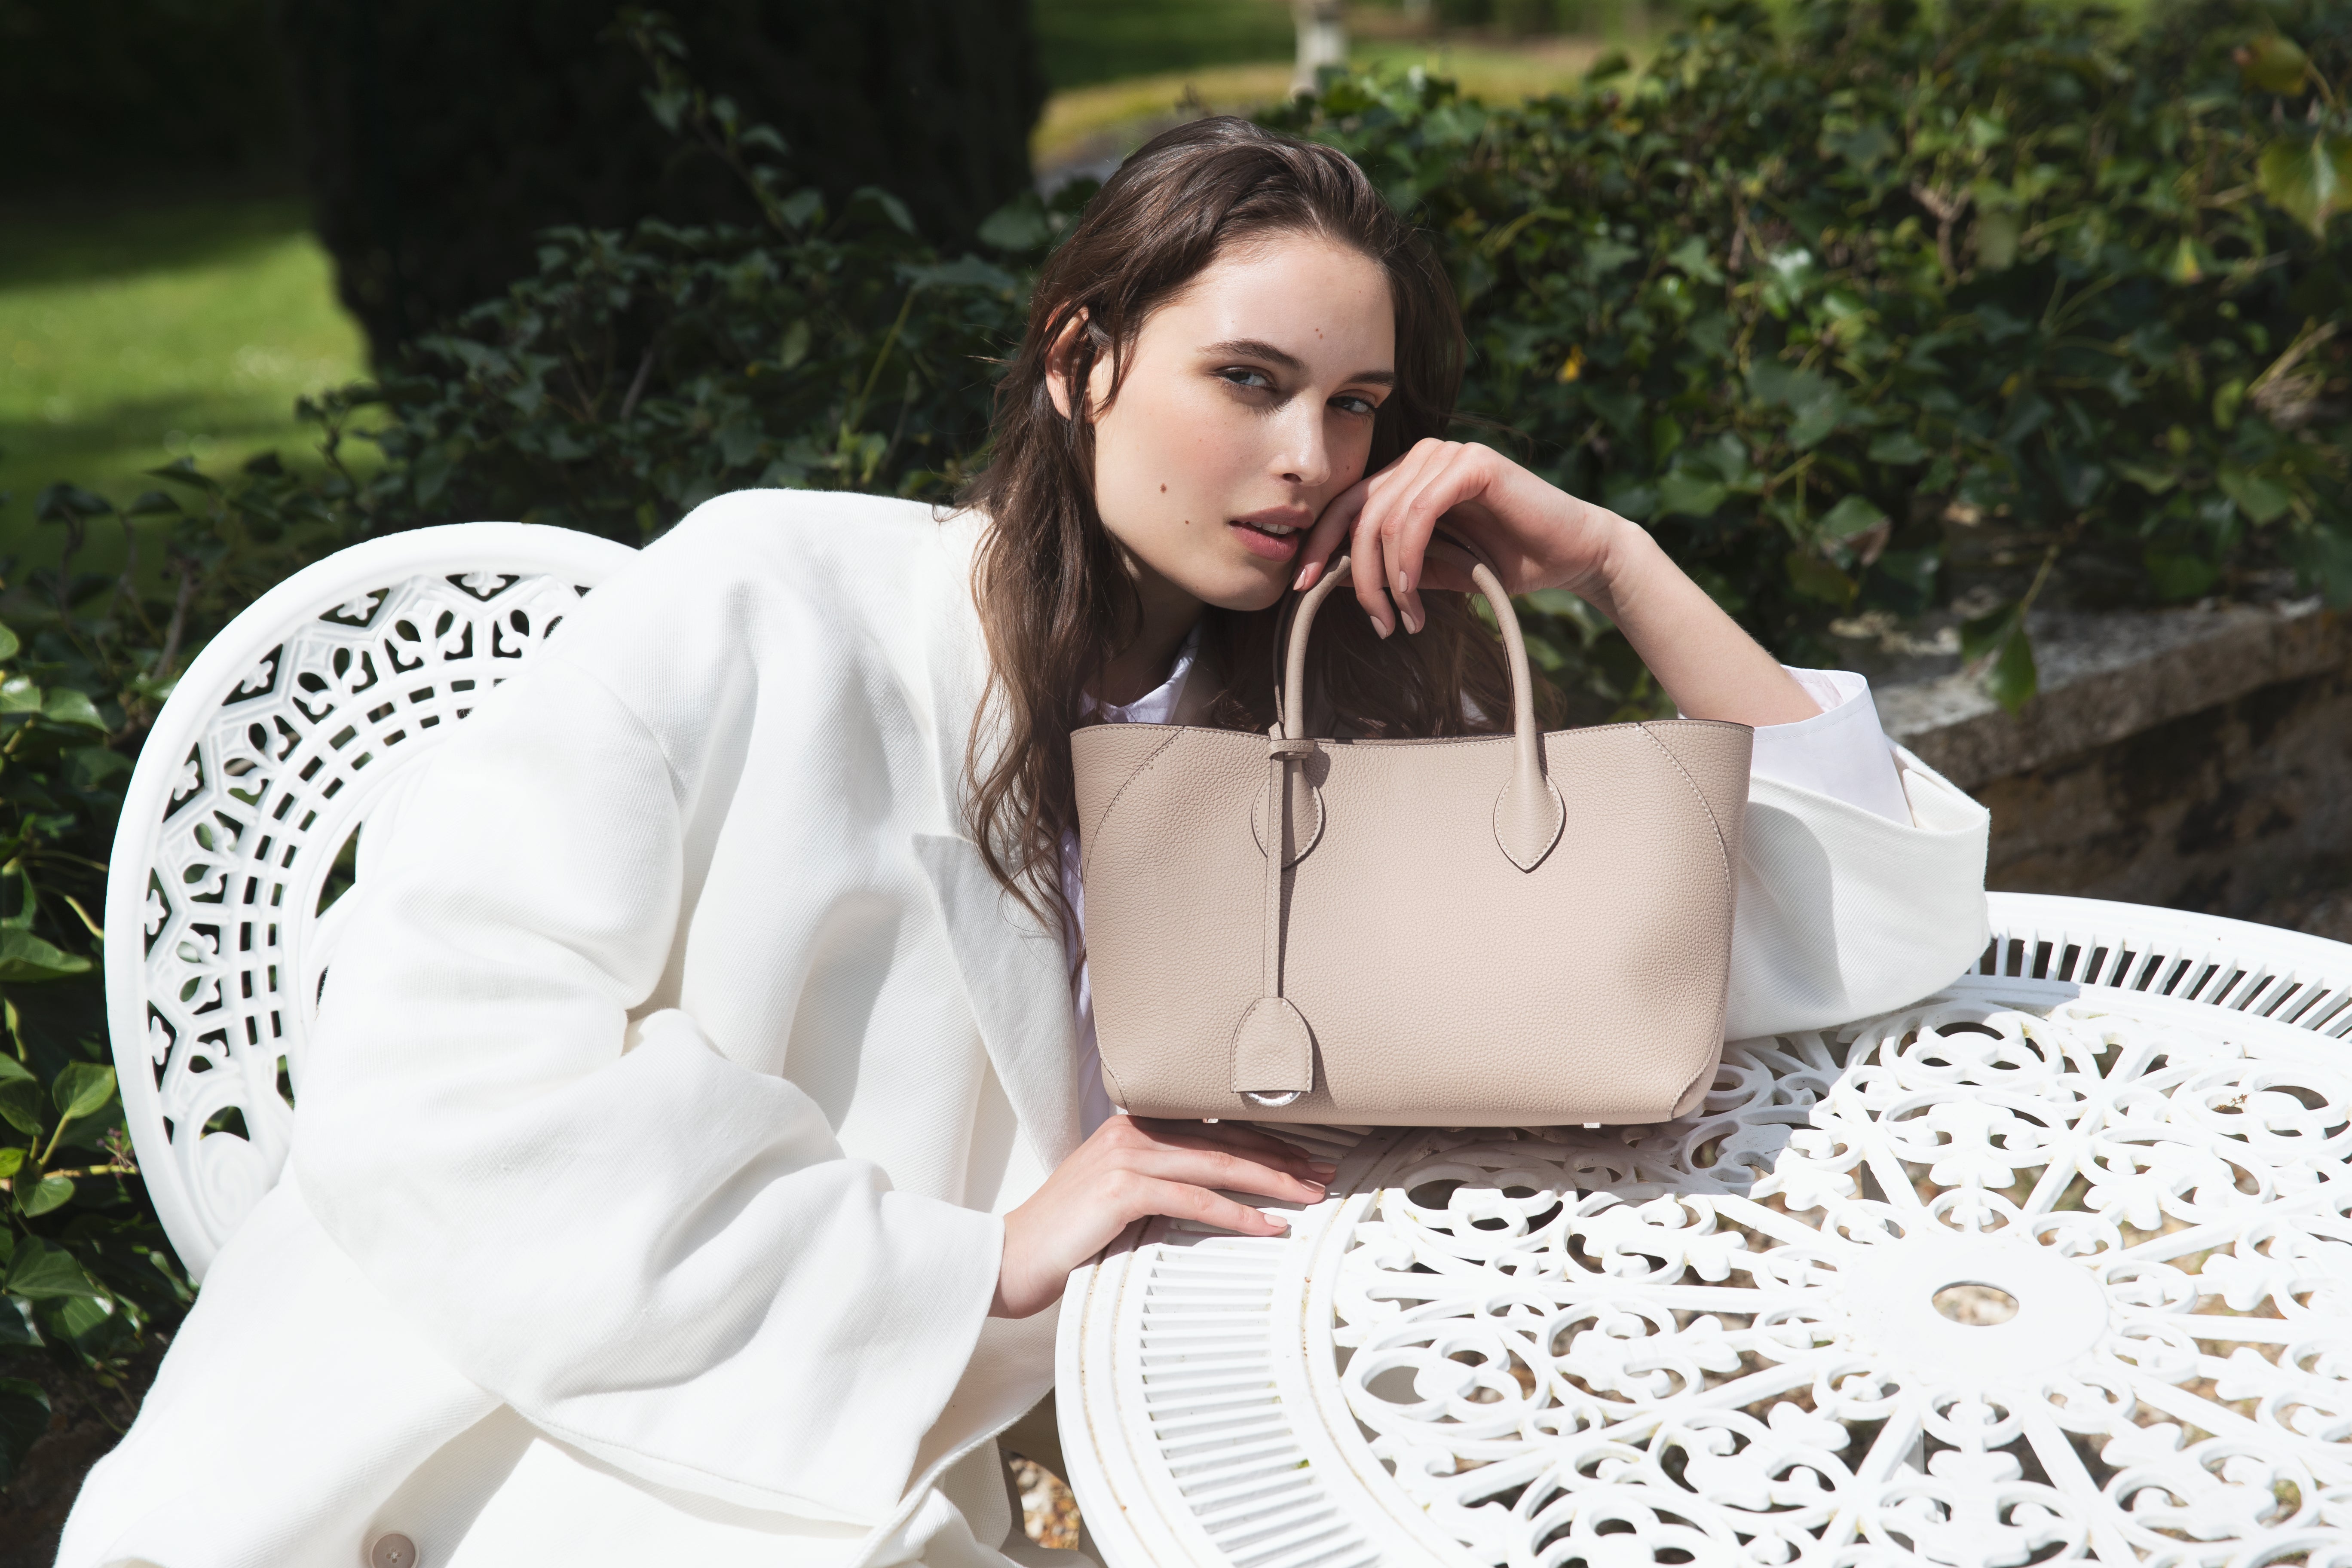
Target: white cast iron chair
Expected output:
[298,728]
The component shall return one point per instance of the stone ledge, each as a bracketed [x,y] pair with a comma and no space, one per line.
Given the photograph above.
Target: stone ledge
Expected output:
[2106,677]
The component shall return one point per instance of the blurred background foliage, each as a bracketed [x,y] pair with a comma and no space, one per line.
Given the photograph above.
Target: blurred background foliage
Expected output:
[1877,314]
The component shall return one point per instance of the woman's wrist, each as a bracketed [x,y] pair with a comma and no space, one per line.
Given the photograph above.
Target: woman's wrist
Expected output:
[1615,553]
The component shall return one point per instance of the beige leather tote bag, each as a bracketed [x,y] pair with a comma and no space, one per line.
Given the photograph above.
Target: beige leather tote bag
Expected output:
[1510,929]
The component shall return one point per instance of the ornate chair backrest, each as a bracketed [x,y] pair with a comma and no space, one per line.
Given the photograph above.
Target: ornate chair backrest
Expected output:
[299,725]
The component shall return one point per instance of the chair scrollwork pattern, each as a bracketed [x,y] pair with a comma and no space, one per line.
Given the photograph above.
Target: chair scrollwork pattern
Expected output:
[288,747]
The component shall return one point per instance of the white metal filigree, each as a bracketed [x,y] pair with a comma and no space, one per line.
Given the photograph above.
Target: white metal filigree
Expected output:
[296,726]
[1726,1340]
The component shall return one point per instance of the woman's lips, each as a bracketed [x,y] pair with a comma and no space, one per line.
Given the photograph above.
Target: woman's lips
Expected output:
[1267,546]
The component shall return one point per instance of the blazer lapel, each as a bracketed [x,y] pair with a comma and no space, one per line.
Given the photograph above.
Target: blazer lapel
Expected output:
[1015,977]
[1015,972]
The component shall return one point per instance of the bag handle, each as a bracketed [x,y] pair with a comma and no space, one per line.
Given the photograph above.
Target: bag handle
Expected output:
[1528,814]
[1273,1053]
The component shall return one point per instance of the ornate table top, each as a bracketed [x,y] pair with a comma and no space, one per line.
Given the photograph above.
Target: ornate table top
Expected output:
[2026,1271]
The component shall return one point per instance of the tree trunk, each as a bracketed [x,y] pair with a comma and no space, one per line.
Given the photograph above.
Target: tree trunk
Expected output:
[1322,39]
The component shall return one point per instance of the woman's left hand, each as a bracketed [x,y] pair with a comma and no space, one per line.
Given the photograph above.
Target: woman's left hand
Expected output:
[1532,533]
[1535,535]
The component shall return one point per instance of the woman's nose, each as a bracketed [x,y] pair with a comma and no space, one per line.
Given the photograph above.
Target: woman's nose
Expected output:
[1305,458]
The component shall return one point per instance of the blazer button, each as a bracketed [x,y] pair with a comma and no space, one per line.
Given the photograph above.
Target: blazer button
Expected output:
[392,1551]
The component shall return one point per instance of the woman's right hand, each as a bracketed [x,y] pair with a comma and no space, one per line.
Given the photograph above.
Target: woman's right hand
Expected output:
[1132,1168]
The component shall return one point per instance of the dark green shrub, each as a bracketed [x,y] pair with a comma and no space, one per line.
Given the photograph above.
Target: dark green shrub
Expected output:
[1890,309]
[442,136]
[138,92]
[1877,317]
[85,1272]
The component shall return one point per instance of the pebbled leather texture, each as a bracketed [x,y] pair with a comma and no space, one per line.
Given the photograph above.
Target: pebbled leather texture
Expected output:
[1397,968]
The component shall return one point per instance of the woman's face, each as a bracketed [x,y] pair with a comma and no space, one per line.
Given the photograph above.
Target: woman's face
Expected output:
[1246,406]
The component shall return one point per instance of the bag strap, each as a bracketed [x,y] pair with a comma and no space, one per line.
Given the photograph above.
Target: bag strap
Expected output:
[1528,815]
[1274,1052]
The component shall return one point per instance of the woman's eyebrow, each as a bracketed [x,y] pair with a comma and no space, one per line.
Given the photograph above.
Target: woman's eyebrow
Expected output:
[1258,349]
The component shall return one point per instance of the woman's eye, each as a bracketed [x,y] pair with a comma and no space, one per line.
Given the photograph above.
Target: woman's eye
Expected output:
[1349,402]
[1242,376]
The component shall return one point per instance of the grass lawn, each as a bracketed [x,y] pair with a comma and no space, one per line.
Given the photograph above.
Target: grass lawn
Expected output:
[1084,42]
[130,337]
[133,334]
[1087,123]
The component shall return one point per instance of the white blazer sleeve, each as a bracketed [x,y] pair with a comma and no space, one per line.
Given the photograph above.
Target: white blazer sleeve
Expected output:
[1862,875]
[652,1252]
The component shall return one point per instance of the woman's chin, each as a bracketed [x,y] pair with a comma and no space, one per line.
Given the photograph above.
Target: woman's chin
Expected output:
[1249,585]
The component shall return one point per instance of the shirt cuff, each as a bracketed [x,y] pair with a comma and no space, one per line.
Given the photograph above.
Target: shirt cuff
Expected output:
[1840,752]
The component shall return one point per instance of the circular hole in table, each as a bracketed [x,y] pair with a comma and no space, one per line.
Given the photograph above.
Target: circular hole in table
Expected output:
[1974,1304]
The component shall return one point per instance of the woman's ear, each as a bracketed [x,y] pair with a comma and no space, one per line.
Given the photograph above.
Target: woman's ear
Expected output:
[1057,362]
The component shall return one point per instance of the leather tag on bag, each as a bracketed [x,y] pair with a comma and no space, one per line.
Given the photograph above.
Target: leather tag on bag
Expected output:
[1273,1051]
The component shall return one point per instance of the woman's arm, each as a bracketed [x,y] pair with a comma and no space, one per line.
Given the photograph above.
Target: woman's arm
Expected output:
[1538,536]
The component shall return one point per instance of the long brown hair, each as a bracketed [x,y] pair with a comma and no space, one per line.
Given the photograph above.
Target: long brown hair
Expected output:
[1055,599]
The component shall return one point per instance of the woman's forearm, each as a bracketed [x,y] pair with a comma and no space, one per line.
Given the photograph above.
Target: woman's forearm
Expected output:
[1709,666]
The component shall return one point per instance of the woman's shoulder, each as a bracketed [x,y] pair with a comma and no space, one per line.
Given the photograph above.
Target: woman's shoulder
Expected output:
[795,540]
[755,581]
[749,556]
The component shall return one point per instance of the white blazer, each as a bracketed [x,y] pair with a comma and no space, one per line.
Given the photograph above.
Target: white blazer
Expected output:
[675,1068]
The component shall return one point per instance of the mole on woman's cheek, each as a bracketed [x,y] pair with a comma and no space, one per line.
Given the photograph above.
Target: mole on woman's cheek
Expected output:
[1163,489]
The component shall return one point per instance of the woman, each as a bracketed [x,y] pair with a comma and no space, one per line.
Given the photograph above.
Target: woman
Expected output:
[699,1121]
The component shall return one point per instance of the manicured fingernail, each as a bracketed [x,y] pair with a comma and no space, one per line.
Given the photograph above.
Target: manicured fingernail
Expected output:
[1411,618]
[1403,587]
[1324,1170]
[1281,1221]
[1382,627]
[1307,575]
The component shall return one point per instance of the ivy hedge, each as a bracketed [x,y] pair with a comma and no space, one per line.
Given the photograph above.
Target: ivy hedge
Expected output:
[1873,313]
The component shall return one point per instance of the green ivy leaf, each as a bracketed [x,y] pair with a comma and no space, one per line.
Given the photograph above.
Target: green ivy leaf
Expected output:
[20,1098]
[182,471]
[2175,575]
[1897,446]
[19,695]
[1997,237]
[1679,491]
[46,1273]
[1020,224]
[63,503]
[2275,64]
[64,705]
[11,1162]
[1818,579]
[2228,398]
[2264,499]
[53,1192]
[2310,178]
[83,1089]
[24,1417]
[25,957]
[1852,515]
[1981,634]
[86,1323]
[16,1330]
[795,346]
[2013,678]
[154,503]
[9,645]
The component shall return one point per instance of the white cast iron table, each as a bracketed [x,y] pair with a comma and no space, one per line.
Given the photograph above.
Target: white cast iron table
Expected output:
[1719,1340]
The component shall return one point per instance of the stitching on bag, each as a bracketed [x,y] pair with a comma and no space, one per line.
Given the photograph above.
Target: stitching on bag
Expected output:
[1722,849]
[1086,840]
[1117,1095]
